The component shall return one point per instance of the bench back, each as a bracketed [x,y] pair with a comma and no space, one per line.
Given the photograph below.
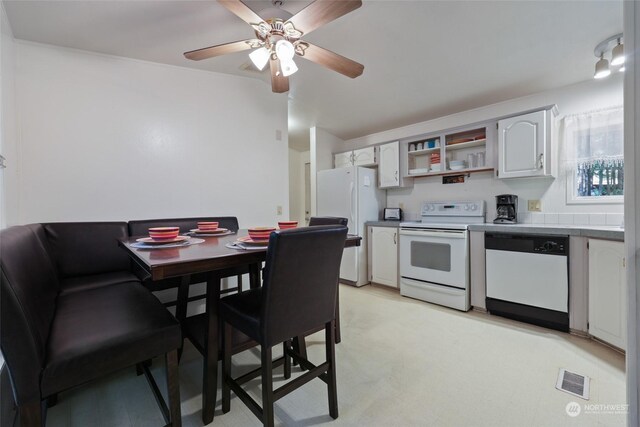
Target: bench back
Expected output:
[141,227]
[29,288]
[86,248]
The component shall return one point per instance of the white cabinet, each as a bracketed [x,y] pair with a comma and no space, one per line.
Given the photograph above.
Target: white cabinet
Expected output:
[361,157]
[364,157]
[524,145]
[608,292]
[383,247]
[389,165]
[342,160]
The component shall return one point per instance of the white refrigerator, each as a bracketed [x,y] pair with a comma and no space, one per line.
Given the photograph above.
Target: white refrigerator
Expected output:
[351,193]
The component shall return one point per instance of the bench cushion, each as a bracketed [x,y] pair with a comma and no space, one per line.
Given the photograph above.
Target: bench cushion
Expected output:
[83,283]
[105,329]
[86,248]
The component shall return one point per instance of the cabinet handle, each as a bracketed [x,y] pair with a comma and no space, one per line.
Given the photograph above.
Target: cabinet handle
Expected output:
[394,238]
[624,262]
[541,161]
[396,175]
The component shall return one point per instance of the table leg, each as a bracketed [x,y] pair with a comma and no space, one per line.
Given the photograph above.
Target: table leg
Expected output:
[254,276]
[210,374]
[181,305]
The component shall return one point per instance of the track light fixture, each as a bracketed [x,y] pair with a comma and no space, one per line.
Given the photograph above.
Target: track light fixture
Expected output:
[613,44]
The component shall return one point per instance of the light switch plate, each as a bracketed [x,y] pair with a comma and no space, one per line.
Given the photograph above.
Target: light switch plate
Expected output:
[278,210]
[535,206]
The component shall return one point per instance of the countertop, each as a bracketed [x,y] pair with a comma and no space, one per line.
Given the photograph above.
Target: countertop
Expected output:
[593,231]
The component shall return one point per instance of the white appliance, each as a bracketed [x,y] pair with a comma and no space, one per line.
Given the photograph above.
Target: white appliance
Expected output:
[350,193]
[528,278]
[434,253]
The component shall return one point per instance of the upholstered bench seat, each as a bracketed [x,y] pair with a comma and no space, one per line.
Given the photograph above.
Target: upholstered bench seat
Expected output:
[93,281]
[98,331]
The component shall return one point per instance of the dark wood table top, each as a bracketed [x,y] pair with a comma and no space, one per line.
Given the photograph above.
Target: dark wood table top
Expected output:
[210,255]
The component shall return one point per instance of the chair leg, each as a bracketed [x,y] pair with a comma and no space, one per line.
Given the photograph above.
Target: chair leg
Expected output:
[226,367]
[331,371]
[173,388]
[239,280]
[181,305]
[287,359]
[30,414]
[300,347]
[338,335]
[267,386]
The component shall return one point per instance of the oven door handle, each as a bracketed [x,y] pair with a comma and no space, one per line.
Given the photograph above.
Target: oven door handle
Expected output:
[440,234]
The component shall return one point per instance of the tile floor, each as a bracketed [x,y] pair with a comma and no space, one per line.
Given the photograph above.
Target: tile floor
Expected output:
[402,362]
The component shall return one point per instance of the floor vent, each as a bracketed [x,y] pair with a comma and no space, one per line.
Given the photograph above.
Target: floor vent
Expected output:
[572,383]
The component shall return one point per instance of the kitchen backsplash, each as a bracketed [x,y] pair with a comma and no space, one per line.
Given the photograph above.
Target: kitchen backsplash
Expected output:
[596,219]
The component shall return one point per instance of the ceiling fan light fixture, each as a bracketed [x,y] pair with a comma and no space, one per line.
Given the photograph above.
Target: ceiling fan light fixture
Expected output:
[602,69]
[288,67]
[617,54]
[260,57]
[285,50]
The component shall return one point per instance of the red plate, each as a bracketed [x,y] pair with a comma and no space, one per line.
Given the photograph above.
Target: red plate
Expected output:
[249,241]
[150,241]
[216,231]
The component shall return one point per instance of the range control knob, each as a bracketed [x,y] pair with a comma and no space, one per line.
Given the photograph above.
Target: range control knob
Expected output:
[473,207]
[549,246]
[466,207]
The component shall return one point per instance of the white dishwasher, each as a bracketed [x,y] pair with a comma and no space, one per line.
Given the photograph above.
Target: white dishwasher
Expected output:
[528,278]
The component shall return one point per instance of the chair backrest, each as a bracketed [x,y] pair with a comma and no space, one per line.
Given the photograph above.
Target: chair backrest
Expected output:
[29,287]
[301,279]
[84,248]
[141,227]
[327,220]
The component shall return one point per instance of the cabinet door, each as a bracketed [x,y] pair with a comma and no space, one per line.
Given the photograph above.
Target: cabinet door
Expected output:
[343,160]
[521,145]
[389,165]
[608,292]
[384,256]
[364,156]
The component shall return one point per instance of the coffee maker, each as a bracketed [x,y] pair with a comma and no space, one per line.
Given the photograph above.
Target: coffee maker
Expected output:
[507,209]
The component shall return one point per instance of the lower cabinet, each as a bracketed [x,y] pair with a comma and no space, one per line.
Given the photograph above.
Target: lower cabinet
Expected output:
[608,292]
[383,259]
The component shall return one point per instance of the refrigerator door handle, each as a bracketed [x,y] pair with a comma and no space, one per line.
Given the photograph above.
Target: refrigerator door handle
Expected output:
[351,188]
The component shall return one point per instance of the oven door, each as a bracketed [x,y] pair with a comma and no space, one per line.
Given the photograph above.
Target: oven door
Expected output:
[435,256]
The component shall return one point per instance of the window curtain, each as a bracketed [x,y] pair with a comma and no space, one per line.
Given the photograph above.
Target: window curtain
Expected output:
[594,146]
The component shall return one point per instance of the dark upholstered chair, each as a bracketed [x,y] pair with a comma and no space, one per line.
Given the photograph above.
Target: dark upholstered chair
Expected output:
[327,220]
[86,254]
[297,295]
[53,341]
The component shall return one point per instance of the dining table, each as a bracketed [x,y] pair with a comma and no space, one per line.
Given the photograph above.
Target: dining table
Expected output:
[211,255]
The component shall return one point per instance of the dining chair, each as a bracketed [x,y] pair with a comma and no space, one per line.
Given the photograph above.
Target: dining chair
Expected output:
[327,220]
[53,341]
[297,295]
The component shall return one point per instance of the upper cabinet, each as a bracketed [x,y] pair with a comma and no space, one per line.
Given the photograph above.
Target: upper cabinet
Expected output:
[524,145]
[389,165]
[361,157]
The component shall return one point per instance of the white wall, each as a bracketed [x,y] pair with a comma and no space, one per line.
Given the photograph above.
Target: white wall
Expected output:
[8,129]
[322,146]
[572,99]
[109,138]
[297,161]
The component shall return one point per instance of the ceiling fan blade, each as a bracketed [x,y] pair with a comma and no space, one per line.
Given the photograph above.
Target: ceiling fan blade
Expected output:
[221,49]
[333,61]
[321,12]
[279,83]
[242,11]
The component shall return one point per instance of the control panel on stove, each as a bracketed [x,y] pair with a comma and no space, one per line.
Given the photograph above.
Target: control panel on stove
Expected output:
[466,208]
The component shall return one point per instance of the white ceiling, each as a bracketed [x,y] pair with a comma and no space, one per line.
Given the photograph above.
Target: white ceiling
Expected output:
[423,59]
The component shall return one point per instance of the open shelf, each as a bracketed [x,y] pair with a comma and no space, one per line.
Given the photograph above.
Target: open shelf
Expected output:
[424,151]
[450,172]
[462,145]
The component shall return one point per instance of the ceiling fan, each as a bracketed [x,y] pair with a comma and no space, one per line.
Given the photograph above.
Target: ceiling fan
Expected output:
[280,40]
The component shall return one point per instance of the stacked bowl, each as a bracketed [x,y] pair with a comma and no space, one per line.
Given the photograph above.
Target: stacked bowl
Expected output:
[164,233]
[284,225]
[261,233]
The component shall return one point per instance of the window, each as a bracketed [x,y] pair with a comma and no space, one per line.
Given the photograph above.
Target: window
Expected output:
[594,144]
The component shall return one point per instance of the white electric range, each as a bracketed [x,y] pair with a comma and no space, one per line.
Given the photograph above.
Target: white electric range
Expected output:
[434,253]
